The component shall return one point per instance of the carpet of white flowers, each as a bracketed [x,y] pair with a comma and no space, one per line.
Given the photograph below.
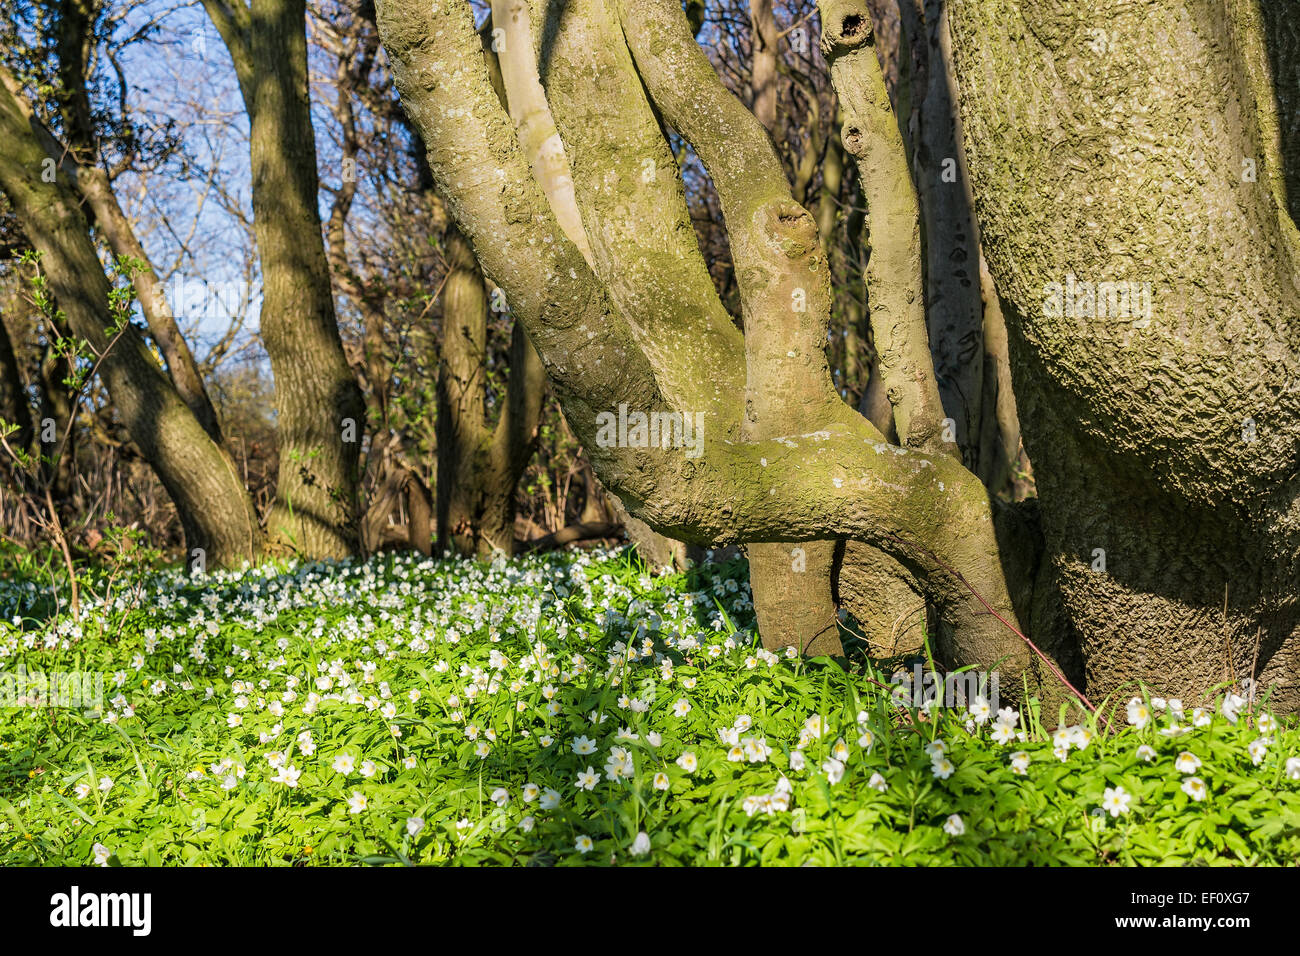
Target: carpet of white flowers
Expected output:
[567,710]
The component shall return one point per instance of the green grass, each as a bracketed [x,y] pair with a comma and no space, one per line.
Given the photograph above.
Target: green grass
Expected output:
[175,779]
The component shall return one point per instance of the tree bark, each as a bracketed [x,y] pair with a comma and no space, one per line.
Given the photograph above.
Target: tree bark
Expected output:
[462,393]
[785,302]
[762,78]
[478,468]
[14,407]
[641,326]
[534,126]
[1140,144]
[212,503]
[895,287]
[999,451]
[320,411]
[56,405]
[954,307]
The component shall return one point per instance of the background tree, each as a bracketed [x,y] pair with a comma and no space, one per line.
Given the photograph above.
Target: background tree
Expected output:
[320,411]
[213,506]
[381,232]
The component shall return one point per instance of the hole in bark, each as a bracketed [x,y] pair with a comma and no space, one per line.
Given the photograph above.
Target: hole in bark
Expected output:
[853,139]
[853,26]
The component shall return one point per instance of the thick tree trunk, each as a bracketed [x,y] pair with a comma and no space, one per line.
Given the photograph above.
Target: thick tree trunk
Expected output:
[419,514]
[655,549]
[792,586]
[883,596]
[320,411]
[885,599]
[1138,145]
[785,303]
[214,507]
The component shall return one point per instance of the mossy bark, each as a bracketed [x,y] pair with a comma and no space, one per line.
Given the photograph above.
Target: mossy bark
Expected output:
[641,325]
[1140,143]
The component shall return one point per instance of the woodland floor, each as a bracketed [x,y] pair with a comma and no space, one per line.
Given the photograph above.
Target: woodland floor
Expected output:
[551,711]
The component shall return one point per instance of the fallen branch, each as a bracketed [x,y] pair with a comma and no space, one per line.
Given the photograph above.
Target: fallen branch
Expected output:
[582,531]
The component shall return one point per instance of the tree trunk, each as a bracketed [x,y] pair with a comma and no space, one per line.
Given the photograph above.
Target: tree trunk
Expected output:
[419,514]
[80,160]
[56,409]
[320,411]
[1137,145]
[954,308]
[778,461]
[93,184]
[478,468]
[895,294]
[214,507]
[999,451]
[14,407]
[762,77]
[462,393]
[512,444]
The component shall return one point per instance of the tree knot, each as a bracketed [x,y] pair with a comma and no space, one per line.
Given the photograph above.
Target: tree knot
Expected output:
[789,228]
[846,26]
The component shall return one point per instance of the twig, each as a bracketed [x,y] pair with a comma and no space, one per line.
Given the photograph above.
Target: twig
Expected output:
[1011,627]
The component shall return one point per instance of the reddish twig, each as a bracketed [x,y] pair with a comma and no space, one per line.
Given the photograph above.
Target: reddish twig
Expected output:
[1011,627]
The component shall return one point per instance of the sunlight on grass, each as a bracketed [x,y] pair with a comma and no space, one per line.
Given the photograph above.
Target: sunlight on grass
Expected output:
[565,710]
